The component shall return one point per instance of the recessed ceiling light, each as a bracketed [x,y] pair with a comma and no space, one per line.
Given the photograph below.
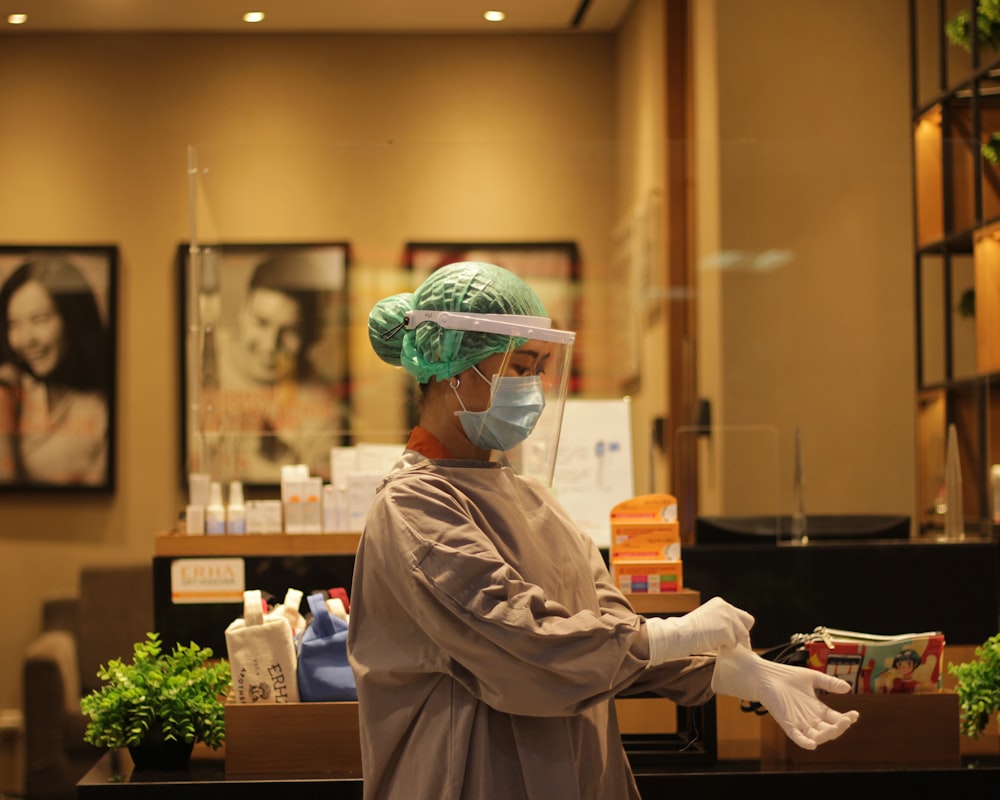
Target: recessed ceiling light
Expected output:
[17,19]
[253,16]
[494,16]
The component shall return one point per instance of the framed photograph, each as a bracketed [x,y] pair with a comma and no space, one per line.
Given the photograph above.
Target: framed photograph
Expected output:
[57,368]
[265,378]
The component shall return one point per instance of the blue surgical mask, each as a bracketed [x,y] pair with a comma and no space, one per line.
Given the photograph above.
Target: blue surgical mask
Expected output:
[515,407]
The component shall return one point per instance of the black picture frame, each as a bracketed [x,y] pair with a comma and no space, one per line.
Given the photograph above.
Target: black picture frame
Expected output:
[58,368]
[244,413]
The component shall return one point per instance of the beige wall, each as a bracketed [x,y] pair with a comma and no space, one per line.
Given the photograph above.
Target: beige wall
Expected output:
[807,259]
[376,140]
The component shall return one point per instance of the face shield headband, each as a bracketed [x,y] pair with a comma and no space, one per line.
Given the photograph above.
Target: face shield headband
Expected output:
[519,325]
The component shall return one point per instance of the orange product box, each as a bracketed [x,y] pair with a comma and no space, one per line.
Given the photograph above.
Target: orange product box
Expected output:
[646,527]
[646,576]
[646,508]
[657,541]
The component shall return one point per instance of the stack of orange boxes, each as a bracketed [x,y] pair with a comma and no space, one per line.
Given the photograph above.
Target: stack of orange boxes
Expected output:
[646,545]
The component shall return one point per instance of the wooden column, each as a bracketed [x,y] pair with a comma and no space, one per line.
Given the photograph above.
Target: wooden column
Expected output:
[682,390]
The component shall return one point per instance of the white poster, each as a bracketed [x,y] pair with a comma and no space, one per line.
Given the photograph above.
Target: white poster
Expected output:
[594,465]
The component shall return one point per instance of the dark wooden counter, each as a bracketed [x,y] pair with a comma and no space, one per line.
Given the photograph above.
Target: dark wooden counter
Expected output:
[205,780]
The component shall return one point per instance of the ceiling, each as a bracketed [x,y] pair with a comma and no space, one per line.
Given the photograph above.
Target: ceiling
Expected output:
[316,16]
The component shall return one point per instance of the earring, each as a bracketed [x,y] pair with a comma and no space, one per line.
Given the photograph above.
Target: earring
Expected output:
[455,382]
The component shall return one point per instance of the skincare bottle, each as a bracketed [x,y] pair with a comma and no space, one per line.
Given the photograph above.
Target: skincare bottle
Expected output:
[236,511]
[215,511]
[194,514]
[292,477]
[194,519]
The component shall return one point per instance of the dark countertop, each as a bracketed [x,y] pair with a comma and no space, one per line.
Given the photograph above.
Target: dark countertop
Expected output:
[205,780]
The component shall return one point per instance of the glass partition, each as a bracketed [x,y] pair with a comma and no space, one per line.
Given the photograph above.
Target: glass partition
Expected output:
[332,219]
[739,466]
[802,261]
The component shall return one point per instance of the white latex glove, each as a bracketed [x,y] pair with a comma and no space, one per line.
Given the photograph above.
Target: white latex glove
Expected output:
[787,692]
[716,625]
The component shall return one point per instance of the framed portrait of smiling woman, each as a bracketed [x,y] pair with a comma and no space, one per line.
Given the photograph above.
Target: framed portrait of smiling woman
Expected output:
[265,377]
[57,368]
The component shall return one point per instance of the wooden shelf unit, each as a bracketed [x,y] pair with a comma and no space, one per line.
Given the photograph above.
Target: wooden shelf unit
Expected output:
[955,109]
[178,545]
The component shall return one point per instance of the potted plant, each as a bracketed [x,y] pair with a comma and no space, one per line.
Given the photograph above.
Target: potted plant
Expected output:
[159,705]
[957,29]
[978,687]
[991,149]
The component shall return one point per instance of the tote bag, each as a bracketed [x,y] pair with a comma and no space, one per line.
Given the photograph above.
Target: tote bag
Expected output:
[323,671]
[261,655]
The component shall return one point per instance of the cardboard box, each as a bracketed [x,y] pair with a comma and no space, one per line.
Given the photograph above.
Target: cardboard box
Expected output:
[657,541]
[646,508]
[646,527]
[645,576]
[892,729]
[306,740]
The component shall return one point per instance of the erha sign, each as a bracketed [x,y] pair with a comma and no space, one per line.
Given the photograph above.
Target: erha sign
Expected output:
[207,580]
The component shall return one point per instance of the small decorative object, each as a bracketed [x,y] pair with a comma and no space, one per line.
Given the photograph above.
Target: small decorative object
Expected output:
[159,705]
[987,26]
[978,687]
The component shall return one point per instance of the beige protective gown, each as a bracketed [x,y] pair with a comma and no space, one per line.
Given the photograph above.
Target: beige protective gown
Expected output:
[488,643]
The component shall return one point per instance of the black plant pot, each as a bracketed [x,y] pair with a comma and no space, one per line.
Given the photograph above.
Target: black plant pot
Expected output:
[155,752]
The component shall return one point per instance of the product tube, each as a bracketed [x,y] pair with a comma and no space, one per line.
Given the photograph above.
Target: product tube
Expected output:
[215,511]
[236,511]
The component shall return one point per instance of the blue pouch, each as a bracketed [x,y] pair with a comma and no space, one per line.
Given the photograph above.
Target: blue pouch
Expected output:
[323,670]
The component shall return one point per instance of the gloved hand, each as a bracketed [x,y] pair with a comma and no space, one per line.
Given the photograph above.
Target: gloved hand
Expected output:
[787,692]
[716,625]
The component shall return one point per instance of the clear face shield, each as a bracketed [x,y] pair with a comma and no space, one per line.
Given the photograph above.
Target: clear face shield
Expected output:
[528,384]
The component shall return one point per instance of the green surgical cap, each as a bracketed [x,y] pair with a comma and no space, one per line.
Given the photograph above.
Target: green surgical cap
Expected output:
[430,351]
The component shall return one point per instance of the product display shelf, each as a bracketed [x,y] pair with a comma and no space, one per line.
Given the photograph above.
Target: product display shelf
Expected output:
[178,545]
[666,603]
[955,115]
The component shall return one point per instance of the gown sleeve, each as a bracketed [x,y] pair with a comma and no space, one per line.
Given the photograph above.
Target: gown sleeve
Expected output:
[517,646]
[686,681]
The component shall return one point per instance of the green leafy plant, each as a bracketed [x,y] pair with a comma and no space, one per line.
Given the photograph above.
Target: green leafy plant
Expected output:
[991,149]
[979,687]
[179,693]
[957,29]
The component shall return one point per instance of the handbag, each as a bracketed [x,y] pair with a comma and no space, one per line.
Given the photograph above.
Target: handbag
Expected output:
[261,655]
[872,663]
[324,673]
